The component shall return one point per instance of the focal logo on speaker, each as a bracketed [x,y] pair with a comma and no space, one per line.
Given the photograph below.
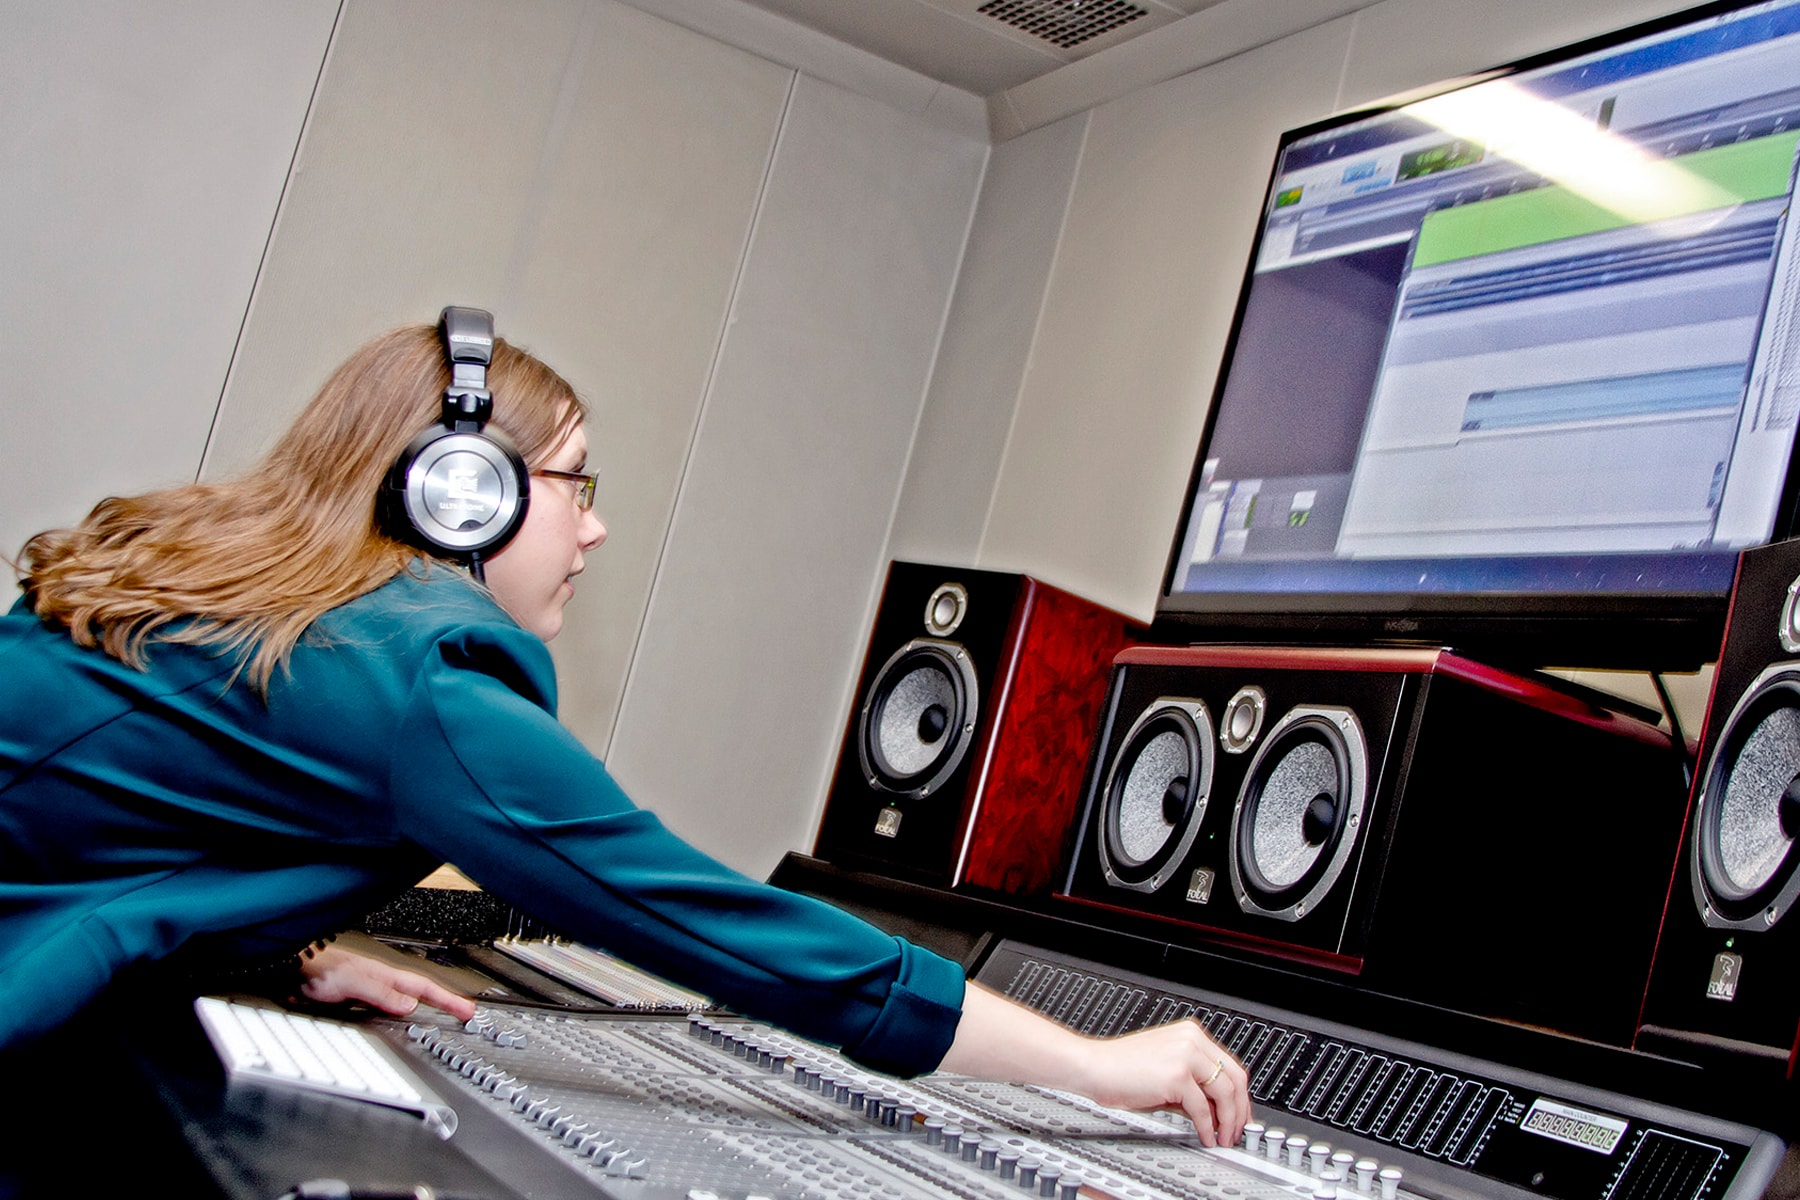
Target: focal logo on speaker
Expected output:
[961,764]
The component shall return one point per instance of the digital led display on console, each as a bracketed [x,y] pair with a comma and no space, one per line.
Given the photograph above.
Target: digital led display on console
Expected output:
[1574,1126]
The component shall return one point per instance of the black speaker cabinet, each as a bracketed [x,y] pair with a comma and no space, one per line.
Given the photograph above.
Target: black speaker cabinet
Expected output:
[1417,823]
[1726,984]
[961,762]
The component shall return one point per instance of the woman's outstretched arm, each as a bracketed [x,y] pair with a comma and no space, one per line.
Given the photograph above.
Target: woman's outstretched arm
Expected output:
[1169,1066]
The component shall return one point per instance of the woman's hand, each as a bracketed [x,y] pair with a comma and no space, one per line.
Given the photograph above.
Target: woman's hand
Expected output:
[1170,1066]
[335,975]
[1173,1066]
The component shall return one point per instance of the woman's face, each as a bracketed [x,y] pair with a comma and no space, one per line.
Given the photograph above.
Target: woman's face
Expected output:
[533,575]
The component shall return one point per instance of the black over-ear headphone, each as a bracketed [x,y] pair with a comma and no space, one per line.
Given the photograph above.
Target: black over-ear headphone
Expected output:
[459,489]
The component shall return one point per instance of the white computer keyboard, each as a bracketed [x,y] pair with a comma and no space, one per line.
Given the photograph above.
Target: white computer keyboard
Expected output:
[290,1049]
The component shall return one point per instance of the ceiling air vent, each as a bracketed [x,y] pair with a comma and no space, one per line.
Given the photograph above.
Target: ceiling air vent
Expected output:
[1065,23]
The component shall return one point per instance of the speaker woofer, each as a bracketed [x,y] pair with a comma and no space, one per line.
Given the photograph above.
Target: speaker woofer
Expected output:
[1156,793]
[1298,812]
[1748,815]
[918,718]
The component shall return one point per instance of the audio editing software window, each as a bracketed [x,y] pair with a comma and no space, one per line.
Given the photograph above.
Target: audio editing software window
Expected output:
[1524,318]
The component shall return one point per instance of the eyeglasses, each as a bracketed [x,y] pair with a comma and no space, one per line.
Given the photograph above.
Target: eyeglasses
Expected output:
[584,484]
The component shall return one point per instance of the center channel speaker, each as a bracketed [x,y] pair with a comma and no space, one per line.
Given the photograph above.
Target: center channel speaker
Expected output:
[962,759]
[1724,986]
[1412,821]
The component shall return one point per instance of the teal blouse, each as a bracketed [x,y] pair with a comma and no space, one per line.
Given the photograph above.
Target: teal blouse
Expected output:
[416,725]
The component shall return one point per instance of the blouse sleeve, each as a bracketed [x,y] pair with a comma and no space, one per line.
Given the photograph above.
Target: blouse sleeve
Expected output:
[486,777]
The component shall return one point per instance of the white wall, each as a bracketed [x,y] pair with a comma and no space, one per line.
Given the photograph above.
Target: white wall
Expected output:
[143,150]
[744,669]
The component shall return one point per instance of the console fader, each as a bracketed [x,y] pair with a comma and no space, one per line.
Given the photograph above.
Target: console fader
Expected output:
[718,1108]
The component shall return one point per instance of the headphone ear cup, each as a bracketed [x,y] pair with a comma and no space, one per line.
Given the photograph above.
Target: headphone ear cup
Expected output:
[459,493]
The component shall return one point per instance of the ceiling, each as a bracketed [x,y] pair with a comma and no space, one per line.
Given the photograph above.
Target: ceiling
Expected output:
[982,46]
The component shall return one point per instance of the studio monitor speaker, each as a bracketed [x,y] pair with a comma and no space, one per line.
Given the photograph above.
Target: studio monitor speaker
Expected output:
[962,758]
[1726,984]
[1409,820]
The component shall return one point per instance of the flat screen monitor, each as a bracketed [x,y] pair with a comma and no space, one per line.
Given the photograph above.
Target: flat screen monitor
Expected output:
[1516,366]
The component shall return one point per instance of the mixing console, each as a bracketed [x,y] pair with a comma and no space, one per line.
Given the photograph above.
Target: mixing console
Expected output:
[736,1108]
[719,1108]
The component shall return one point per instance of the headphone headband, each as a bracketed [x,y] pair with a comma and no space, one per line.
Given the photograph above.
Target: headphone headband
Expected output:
[468,338]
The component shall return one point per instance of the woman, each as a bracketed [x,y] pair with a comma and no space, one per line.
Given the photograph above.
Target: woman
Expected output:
[236,716]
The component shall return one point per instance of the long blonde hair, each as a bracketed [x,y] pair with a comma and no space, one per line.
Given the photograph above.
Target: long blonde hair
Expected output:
[249,564]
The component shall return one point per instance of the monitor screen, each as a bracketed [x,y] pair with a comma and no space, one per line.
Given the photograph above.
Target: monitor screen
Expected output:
[1516,366]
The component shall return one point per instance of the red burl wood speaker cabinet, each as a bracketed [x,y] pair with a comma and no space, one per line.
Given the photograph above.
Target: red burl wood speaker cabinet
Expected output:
[1726,985]
[962,759]
[1408,821]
